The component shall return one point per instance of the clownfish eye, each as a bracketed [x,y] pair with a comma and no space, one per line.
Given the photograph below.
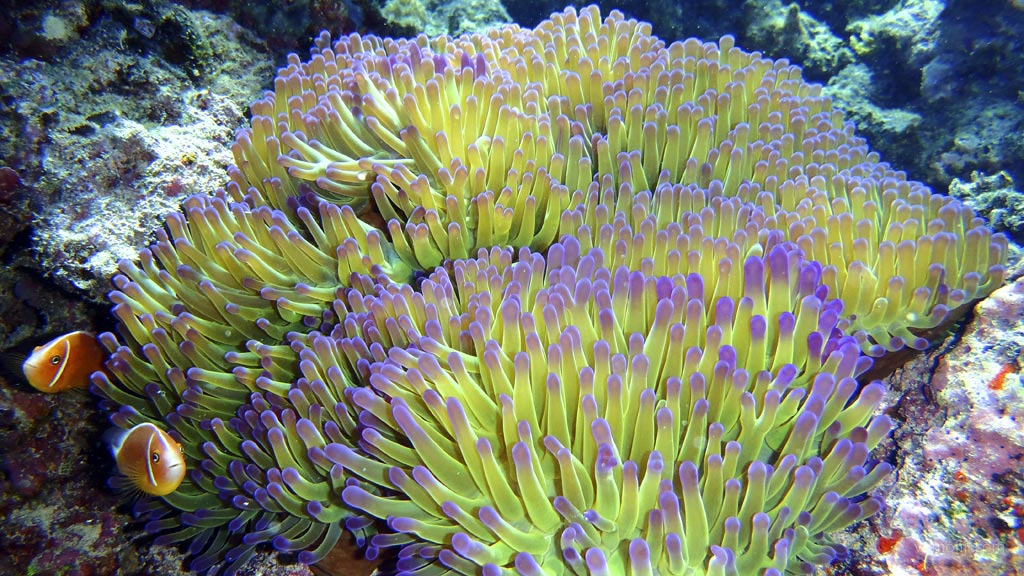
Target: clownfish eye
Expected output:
[54,360]
[156,457]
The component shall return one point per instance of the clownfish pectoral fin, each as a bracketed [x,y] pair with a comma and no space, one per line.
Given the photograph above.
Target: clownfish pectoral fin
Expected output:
[124,487]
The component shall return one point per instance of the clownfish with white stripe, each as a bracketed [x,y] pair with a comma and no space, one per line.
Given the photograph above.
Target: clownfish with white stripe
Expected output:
[149,459]
[64,363]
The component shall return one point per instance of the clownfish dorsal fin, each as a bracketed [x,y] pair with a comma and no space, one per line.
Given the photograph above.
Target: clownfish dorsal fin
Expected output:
[114,438]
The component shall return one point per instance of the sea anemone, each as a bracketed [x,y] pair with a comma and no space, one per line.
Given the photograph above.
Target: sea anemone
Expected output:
[486,140]
[599,418]
[561,300]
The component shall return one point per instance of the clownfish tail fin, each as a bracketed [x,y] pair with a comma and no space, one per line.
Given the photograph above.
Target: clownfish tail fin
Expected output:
[10,365]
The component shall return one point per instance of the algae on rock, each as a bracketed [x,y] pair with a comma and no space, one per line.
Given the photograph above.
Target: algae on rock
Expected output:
[440,17]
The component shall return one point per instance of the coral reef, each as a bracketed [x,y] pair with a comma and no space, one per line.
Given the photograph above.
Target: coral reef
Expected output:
[282,24]
[104,139]
[437,17]
[958,446]
[853,88]
[616,321]
[912,25]
[42,29]
[799,35]
[966,101]
[48,528]
[407,14]
[997,196]
[47,488]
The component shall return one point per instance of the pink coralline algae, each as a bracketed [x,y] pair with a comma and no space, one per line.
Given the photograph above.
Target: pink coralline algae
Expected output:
[958,504]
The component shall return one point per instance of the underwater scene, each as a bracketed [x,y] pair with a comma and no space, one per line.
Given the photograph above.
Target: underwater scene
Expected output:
[485,288]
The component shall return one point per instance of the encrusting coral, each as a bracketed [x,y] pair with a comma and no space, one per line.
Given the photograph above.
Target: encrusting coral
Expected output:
[561,300]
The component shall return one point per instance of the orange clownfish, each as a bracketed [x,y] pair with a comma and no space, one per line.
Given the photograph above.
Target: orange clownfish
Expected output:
[150,459]
[64,362]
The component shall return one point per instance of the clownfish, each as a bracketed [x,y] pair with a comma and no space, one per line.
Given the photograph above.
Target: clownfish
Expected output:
[64,362]
[149,458]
